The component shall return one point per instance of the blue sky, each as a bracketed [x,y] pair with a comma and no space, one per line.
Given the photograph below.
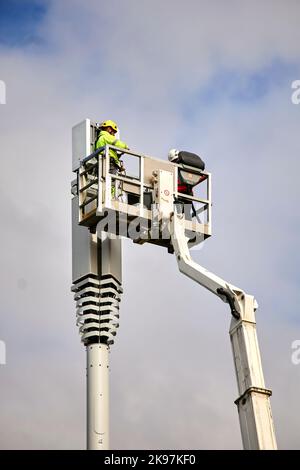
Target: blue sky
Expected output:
[217,81]
[19,21]
[242,87]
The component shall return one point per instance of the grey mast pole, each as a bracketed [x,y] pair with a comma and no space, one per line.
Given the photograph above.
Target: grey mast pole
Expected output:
[97,286]
[97,278]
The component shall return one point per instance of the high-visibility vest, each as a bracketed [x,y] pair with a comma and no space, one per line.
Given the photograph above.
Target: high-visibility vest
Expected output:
[105,138]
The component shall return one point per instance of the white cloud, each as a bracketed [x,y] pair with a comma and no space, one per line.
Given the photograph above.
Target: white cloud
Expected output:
[173,381]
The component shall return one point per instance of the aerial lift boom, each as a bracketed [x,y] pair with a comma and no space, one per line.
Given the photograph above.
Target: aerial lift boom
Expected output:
[253,404]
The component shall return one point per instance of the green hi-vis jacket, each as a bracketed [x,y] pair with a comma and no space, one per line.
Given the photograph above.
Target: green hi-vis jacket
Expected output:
[105,138]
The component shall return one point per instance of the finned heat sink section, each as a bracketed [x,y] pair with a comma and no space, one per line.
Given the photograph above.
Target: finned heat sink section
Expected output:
[97,308]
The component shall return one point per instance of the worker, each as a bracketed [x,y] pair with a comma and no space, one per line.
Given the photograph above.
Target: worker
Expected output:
[108,130]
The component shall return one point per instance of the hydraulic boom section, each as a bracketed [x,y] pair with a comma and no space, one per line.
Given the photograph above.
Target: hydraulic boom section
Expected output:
[256,422]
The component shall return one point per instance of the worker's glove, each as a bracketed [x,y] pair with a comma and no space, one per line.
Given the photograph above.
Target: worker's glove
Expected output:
[121,166]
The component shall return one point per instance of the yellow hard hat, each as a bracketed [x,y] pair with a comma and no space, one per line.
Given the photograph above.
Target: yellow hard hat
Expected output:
[109,123]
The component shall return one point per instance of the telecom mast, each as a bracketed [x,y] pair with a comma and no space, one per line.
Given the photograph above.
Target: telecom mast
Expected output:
[145,207]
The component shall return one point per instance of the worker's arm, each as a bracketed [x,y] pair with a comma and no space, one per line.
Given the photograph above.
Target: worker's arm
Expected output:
[110,140]
[120,144]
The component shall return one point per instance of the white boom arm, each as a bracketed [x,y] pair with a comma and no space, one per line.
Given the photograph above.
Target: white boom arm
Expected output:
[256,422]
